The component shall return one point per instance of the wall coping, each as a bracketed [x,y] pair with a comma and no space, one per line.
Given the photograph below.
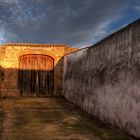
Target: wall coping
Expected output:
[35,45]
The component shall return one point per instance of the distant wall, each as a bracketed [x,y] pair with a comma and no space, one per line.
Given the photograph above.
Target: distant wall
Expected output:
[104,79]
[9,62]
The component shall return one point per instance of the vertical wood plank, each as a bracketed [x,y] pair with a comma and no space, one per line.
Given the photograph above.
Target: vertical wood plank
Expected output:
[36,75]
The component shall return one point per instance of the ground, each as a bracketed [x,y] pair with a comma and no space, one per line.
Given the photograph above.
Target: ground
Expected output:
[51,119]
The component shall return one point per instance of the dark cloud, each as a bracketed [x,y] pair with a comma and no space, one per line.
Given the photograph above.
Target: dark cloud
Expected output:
[74,22]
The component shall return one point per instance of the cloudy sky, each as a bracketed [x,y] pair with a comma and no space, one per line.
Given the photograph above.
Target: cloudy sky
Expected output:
[74,22]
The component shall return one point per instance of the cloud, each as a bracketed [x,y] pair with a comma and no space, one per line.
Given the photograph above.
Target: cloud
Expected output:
[73,22]
[136,5]
[6,35]
[8,1]
[137,8]
[2,35]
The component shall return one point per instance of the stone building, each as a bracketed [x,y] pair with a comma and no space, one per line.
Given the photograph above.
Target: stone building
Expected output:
[32,69]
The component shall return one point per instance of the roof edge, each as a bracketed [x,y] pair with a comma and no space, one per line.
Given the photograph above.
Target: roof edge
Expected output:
[35,45]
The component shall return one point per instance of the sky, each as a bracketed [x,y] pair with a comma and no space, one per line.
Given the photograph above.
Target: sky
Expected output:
[78,23]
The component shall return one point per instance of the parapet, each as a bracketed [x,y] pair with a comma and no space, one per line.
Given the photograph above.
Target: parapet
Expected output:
[35,45]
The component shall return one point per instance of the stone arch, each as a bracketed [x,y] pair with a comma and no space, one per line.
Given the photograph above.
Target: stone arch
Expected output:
[41,52]
[36,75]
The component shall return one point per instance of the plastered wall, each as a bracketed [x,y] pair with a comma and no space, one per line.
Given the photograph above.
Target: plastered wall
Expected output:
[104,79]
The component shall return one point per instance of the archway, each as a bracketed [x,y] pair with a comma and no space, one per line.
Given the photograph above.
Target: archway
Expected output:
[36,75]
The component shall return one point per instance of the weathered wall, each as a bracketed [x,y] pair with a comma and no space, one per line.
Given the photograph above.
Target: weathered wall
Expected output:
[58,72]
[104,79]
[9,61]
[1,78]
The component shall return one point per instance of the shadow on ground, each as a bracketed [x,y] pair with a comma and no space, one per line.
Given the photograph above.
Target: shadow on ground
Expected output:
[51,119]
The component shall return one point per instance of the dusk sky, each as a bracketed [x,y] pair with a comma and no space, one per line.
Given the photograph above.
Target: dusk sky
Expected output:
[77,23]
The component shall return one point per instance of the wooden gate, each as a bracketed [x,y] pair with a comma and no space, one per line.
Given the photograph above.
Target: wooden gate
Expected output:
[36,75]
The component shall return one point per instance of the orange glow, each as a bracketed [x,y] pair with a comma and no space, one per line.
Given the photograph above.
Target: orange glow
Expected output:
[10,53]
[36,62]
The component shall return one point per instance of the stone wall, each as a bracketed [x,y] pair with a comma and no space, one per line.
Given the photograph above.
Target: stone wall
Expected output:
[9,62]
[1,77]
[104,79]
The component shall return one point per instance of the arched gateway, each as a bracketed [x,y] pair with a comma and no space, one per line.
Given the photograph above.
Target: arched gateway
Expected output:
[32,69]
[36,75]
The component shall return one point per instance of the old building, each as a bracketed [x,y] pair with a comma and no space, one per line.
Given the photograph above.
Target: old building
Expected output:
[32,69]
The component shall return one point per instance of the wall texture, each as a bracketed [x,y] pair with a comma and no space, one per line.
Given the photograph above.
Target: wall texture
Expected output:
[9,64]
[104,79]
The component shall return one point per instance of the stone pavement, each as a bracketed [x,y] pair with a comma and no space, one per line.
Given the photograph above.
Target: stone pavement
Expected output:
[51,119]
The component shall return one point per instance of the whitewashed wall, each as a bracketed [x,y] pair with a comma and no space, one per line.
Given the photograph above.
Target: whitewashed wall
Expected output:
[104,79]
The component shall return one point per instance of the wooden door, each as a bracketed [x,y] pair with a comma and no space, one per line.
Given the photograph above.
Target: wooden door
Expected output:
[36,75]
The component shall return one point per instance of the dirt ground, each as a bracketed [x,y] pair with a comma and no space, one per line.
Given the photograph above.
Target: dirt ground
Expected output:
[51,119]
